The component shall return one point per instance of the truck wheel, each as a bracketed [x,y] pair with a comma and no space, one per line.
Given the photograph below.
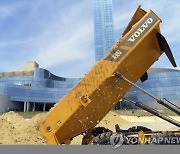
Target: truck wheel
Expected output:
[139,128]
[90,134]
[102,139]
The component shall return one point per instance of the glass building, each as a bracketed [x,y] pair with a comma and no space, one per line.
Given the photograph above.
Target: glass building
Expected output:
[162,83]
[103,27]
[36,89]
[32,89]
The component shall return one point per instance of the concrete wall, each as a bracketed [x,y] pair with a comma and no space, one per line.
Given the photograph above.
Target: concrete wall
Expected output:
[16,74]
[6,104]
[30,65]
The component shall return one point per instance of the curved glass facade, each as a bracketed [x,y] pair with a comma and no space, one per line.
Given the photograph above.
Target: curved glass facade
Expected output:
[162,83]
[41,87]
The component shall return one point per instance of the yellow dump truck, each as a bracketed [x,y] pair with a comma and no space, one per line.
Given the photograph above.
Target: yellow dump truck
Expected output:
[102,87]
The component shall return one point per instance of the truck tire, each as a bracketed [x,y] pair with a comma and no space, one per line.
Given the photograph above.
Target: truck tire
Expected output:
[92,133]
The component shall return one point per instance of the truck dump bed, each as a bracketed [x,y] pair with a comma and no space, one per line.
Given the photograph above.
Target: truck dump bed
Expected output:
[100,90]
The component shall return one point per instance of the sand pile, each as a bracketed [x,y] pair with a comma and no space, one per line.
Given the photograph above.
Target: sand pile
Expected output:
[111,119]
[16,130]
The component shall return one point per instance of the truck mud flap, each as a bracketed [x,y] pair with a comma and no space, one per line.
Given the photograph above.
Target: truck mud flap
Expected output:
[165,47]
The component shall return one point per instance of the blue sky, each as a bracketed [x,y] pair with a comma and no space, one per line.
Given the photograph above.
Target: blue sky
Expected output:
[58,34]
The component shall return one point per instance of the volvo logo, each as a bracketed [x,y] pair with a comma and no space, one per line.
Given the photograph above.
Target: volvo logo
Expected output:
[141,29]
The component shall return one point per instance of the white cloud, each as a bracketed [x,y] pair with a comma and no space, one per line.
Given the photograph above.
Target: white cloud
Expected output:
[71,40]
[59,35]
[8,9]
[63,50]
[65,34]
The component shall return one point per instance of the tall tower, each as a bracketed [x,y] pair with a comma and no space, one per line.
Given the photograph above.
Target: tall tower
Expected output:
[103,27]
